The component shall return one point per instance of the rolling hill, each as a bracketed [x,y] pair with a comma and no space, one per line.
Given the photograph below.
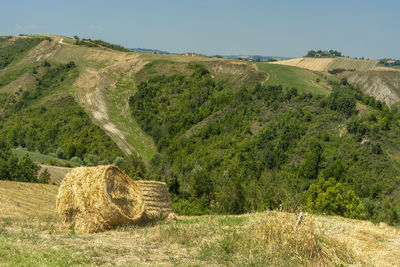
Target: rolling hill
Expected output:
[325,64]
[228,136]
[374,80]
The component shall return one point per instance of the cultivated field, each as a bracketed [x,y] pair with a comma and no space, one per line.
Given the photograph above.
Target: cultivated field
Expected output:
[325,64]
[30,236]
[302,79]
[318,64]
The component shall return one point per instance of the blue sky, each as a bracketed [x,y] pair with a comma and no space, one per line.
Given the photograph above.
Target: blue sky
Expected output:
[277,28]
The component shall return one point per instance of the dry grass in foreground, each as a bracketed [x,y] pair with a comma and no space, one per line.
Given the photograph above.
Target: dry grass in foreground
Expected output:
[32,239]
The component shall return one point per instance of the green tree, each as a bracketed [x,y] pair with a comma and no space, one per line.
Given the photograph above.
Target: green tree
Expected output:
[329,197]
[60,153]
[76,160]
[118,161]
[342,99]
[28,169]
[44,177]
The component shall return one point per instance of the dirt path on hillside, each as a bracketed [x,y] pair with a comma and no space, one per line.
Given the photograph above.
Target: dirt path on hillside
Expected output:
[92,97]
[94,84]
[254,65]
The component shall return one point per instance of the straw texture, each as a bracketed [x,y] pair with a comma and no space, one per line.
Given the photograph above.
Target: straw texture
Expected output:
[156,199]
[93,199]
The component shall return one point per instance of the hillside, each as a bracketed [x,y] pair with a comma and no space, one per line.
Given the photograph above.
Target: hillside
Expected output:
[292,77]
[380,82]
[29,236]
[325,64]
[228,136]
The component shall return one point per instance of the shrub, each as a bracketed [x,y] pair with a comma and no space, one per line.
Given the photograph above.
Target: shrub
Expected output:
[60,153]
[91,160]
[76,160]
[329,197]
[118,161]
[44,177]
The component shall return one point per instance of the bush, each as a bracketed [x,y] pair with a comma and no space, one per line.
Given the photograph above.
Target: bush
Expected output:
[91,160]
[118,161]
[342,99]
[76,160]
[44,177]
[60,153]
[329,197]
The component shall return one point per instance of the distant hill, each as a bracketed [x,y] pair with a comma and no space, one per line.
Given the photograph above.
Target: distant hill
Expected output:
[228,135]
[147,50]
[373,78]
[256,58]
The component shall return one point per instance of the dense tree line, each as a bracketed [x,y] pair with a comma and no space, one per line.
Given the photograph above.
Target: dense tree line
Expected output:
[99,43]
[325,53]
[388,62]
[265,147]
[339,70]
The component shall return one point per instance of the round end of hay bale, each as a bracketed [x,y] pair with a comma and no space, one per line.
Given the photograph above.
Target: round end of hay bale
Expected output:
[124,193]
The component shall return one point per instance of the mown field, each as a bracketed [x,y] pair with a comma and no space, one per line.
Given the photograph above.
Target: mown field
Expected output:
[325,64]
[350,63]
[29,236]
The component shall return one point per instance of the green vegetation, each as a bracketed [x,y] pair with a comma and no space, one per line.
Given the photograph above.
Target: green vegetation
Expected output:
[339,70]
[262,147]
[11,53]
[389,62]
[142,143]
[99,43]
[293,77]
[16,50]
[43,159]
[328,196]
[14,169]
[224,142]
[47,120]
[320,53]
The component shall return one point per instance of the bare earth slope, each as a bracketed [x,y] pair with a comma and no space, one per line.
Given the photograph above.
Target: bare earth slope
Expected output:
[28,214]
[383,84]
[380,82]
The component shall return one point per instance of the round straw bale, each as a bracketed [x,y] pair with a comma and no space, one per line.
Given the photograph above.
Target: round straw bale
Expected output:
[156,198]
[93,199]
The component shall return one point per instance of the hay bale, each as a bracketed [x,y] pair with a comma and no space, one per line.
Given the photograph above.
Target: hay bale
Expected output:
[93,199]
[156,200]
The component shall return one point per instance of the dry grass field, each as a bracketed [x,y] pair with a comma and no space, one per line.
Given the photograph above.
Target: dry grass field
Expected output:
[318,64]
[30,236]
[325,64]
